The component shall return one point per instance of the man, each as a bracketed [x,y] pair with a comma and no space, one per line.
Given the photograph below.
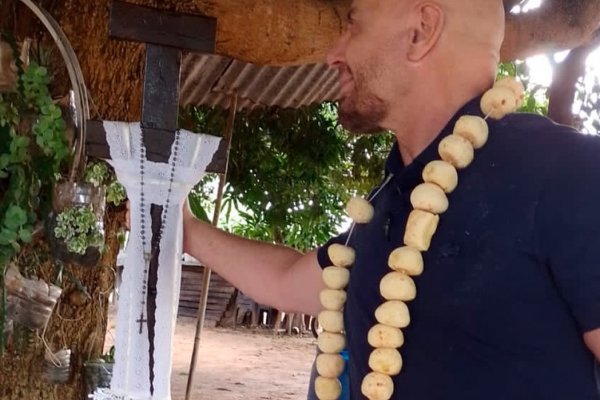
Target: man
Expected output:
[509,304]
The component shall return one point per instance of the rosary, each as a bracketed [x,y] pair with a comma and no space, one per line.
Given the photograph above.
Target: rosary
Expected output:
[149,256]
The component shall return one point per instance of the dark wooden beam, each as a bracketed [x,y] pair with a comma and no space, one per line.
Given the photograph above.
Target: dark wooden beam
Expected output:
[160,107]
[97,146]
[220,159]
[149,25]
[95,140]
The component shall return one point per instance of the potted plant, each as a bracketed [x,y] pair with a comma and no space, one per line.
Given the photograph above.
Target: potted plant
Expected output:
[98,372]
[57,366]
[29,302]
[76,227]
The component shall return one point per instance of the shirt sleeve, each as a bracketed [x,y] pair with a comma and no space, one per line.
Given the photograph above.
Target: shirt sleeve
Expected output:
[568,223]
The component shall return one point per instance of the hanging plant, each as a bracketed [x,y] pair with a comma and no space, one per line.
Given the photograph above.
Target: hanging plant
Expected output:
[98,372]
[57,366]
[77,221]
[30,302]
[78,228]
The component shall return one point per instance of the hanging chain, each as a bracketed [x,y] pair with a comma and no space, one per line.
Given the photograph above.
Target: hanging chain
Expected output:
[149,255]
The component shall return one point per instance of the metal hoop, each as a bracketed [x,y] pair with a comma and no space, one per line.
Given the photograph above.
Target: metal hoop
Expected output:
[82,110]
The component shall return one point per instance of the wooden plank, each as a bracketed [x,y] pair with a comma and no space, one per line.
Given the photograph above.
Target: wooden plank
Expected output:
[158,144]
[95,140]
[221,305]
[160,105]
[194,302]
[160,108]
[219,161]
[195,298]
[96,146]
[149,25]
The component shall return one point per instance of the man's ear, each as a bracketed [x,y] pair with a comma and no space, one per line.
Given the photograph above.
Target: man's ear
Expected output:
[427,32]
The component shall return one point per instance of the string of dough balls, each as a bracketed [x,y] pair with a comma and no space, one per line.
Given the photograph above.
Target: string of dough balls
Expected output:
[429,200]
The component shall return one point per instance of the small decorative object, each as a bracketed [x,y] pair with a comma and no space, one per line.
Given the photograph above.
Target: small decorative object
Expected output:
[29,302]
[76,227]
[57,366]
[98,372]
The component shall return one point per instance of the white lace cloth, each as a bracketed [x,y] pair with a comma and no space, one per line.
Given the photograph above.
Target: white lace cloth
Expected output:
[131,373]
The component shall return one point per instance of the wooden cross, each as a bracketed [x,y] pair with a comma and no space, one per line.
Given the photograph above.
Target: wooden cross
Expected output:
[165,35]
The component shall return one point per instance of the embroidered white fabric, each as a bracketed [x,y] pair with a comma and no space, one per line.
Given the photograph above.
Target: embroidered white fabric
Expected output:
[131,373]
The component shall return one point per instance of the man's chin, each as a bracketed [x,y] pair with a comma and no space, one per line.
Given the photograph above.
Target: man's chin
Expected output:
[358,123]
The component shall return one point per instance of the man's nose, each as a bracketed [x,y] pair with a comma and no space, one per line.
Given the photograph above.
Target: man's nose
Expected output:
[336,53]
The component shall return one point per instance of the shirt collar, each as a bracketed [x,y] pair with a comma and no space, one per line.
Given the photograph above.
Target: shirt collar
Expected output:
[410,175]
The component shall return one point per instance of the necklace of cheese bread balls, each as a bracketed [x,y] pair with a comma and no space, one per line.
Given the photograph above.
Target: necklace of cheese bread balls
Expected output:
[429,200]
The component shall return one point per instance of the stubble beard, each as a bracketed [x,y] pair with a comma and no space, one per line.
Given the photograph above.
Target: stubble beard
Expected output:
[361,111]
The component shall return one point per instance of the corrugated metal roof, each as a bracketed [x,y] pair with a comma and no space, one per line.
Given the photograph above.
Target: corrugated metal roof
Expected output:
[211,79]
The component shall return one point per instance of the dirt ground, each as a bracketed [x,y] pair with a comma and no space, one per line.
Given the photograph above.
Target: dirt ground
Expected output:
[240,364]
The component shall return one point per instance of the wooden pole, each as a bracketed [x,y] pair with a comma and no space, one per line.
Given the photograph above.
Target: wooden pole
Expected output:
[227,136]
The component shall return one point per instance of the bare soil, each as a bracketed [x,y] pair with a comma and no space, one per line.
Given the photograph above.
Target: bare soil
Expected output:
[240,364]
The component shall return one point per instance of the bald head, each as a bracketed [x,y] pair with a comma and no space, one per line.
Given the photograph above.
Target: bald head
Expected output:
[475,25]
[400,57]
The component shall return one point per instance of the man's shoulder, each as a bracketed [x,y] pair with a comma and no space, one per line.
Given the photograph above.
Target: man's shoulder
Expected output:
[543,138]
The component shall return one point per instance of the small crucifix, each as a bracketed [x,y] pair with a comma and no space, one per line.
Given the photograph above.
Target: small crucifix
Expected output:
[142,366]
[141,320]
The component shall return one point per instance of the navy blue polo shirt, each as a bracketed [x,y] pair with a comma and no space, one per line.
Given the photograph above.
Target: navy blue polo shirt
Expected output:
[512,277]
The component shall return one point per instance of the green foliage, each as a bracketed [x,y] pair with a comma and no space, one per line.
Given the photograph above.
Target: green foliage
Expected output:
[14,228]
[78,228]
[199,203]
[291,172]
[587,102]
[98,173]
[49,127]
[536,100]
[109,356]
[33,149]
[115,193]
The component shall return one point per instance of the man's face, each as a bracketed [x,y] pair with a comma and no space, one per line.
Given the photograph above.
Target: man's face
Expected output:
[368,58]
